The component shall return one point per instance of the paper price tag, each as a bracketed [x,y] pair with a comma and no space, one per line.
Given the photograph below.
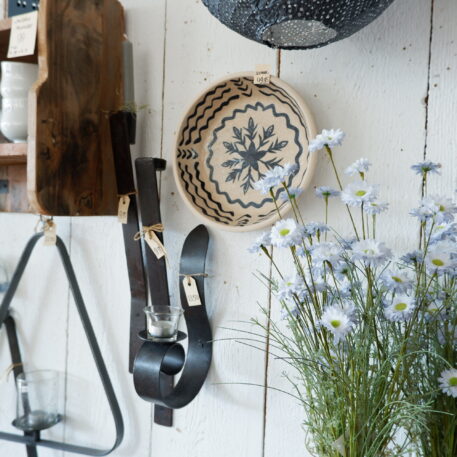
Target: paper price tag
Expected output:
[262,74]
[50,233]
[123,209]
[191,290]
[155,244]
[23,35]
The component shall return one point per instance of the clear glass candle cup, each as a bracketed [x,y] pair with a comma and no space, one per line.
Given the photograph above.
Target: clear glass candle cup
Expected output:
[37,400]
[162,323]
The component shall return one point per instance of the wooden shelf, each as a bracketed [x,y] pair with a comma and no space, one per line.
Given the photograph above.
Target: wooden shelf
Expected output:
[13,153]
[67,166]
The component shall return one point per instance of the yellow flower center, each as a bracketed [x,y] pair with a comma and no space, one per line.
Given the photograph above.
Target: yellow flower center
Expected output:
[437,262]
[360,193]
[284,232]
[442,208]
[400,306]
[453,382]
[335,323]
[397,279]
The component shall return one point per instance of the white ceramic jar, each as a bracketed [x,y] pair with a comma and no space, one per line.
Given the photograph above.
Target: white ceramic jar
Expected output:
[17,78]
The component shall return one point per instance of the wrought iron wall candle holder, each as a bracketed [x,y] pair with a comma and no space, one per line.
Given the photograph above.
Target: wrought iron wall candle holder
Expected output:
[31,437]
[296,24]
[154,363]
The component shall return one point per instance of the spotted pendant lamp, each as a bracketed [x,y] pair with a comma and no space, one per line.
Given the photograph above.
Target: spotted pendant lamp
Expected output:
[296,24]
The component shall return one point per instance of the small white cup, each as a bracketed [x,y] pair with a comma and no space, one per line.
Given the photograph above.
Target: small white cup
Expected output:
[17,78]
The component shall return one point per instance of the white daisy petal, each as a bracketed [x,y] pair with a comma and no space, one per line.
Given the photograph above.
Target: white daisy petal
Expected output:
[400,308]
[336,321]
[357,193]
[448,382]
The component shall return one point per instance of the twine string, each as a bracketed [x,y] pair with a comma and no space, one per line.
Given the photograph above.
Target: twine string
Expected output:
[158,228]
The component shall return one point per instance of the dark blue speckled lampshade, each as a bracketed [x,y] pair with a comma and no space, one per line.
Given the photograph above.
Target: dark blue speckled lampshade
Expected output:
[296,24]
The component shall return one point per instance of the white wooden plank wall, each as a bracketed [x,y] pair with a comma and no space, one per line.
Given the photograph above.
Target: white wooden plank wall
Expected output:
[391,88]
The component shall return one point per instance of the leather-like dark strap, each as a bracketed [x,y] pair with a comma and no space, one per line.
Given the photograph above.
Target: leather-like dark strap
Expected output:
[33,439]
[126,186]
[148,191]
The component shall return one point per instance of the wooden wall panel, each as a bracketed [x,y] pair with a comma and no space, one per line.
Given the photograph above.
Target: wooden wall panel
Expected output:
[373,85]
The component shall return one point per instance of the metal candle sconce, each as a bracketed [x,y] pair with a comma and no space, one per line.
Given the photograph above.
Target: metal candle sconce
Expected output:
[31,437]
[155,363]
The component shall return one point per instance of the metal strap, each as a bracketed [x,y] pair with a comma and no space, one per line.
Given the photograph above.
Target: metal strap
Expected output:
[148,193]
[34,439]
[135,265]
[148,371]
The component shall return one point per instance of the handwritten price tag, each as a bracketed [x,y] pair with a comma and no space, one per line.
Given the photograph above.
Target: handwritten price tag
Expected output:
[190,288]
[23,35]
[262,74]
[155,244]
[123,209]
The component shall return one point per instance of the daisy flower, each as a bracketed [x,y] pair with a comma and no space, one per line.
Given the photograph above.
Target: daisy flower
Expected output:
[442,231]
[397,280]
[331,138]
[263,240]
[446,208]
[290,286]
[413,257]
[423,168]
[286,233]
[336,321]
[440,208]
[360,166]
[315,228]
[440,257]
[373,208]
[357,193]
[400,309]
[372,252]
[293,192]
[325,252]
[274,178]
[448,382]
[326,192]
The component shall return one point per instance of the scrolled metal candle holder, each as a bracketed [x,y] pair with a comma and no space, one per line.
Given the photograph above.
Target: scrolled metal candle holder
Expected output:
[156,361]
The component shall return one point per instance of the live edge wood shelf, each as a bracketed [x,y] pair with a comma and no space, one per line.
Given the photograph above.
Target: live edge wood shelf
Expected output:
[66,168]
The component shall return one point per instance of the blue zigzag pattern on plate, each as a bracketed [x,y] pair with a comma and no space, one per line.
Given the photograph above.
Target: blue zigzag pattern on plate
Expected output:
[204,127]
[200,104]
[187,183]
[202,116]
[187,153]
[210,197]
[243,85]
[222,126]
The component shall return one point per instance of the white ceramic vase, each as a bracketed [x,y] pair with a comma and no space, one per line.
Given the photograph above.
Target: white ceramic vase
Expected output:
[17,78]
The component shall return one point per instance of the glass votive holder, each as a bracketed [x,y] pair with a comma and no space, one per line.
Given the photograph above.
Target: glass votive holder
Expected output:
[37,400]
[162,323]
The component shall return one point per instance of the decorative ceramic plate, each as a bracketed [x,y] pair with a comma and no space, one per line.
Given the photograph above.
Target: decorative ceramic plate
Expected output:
[231,135]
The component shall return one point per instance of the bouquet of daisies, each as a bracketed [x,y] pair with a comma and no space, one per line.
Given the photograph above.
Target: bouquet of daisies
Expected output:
[370,337]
